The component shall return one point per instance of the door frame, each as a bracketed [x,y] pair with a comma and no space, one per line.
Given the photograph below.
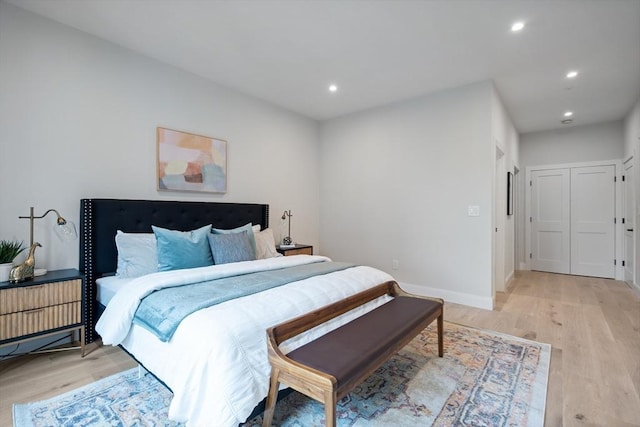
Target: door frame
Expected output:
[618,234]
[629,182]
[517,219]
[498,220]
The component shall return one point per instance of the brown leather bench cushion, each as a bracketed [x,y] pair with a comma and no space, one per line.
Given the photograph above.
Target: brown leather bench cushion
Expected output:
[346,351]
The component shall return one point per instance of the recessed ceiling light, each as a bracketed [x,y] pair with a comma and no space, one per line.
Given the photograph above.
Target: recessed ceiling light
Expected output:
[572,74]
[333,88]
[568,113]
[518,26]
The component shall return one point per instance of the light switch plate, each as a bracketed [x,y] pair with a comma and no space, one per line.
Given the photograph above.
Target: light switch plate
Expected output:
[474,210]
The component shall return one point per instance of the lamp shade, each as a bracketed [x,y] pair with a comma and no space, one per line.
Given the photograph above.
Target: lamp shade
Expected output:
[65,230]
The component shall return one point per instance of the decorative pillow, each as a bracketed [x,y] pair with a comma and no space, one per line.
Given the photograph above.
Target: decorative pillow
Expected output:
[231,247]
[265,244]
[183,249]
[137,254]
[247,227]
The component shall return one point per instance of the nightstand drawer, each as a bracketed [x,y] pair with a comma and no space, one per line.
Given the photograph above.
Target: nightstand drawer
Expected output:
[302,251]
[39,319]
[14,300]
[298,249]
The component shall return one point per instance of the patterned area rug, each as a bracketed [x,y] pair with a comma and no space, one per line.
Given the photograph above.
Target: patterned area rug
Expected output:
[484,379]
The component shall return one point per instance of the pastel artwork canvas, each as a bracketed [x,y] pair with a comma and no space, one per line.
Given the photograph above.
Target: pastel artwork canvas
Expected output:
[189,162]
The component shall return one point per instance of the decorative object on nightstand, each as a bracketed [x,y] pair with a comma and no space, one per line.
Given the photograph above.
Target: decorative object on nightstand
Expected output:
[48,305]
[9,250]
[65,230]
[287,240]
[295,249]
[24,271]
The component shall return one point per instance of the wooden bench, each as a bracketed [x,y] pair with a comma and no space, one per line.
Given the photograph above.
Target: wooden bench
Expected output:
[327,368]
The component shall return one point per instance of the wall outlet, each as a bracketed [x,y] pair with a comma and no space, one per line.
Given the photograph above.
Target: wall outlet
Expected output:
[395,264]
[474,210]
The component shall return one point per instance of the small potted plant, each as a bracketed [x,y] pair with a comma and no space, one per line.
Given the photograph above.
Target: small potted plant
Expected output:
[9,250]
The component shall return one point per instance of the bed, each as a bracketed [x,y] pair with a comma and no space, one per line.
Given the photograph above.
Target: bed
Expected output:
[215,360]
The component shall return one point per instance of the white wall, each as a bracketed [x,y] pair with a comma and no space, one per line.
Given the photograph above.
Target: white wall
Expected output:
[506,138]
[632,131]
[396,182]
[78,118]
[632,148]
[602,141]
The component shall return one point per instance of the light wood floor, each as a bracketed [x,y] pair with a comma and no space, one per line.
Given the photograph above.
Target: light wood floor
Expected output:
[592,324]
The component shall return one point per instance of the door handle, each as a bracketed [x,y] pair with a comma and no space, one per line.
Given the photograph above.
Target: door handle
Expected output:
[629,229]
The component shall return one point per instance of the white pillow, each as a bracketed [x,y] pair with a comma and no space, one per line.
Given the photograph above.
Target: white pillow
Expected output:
[137,254]
[265,244]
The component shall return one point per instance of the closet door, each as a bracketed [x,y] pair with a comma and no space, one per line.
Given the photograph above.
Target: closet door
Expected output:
[592,221]
[550,236]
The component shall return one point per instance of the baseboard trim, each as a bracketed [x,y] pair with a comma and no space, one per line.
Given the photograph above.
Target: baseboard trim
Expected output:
[449,296]
[509,281]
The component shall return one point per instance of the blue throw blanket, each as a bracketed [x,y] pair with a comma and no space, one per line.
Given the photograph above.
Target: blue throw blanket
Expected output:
[162,311]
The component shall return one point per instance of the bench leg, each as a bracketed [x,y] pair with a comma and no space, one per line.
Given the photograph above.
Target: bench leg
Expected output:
[330,401]
[440,335]
[270,405]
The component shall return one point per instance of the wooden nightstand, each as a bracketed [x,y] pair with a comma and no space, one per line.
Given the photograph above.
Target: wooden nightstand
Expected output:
[298,249]
[46,305]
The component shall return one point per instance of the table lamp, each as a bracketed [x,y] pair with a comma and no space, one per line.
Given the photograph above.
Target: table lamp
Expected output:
[65,230]
[287,240]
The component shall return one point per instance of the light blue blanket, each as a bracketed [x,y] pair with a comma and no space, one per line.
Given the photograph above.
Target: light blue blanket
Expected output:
[162,311]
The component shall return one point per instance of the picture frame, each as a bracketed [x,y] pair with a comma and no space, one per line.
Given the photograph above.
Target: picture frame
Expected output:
[189,162]
[509,193]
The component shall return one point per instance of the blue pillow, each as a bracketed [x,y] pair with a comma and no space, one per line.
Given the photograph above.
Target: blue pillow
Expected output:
[247,227]
[183,249]
[231,247]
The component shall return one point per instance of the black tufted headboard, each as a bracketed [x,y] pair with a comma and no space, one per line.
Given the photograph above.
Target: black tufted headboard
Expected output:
[101,218]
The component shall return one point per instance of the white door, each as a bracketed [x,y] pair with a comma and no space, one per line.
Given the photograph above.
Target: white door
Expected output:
[629,215]
[550,237]
[592,221]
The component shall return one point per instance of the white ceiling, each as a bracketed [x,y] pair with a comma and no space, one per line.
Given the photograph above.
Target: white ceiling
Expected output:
[378,52]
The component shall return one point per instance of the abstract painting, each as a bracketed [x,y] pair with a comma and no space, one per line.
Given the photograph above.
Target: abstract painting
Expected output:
[189,162]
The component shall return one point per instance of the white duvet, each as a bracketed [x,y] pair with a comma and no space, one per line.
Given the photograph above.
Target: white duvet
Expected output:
[216,363]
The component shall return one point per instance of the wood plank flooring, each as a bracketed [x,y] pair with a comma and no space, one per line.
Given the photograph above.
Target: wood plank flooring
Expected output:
[592,324]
